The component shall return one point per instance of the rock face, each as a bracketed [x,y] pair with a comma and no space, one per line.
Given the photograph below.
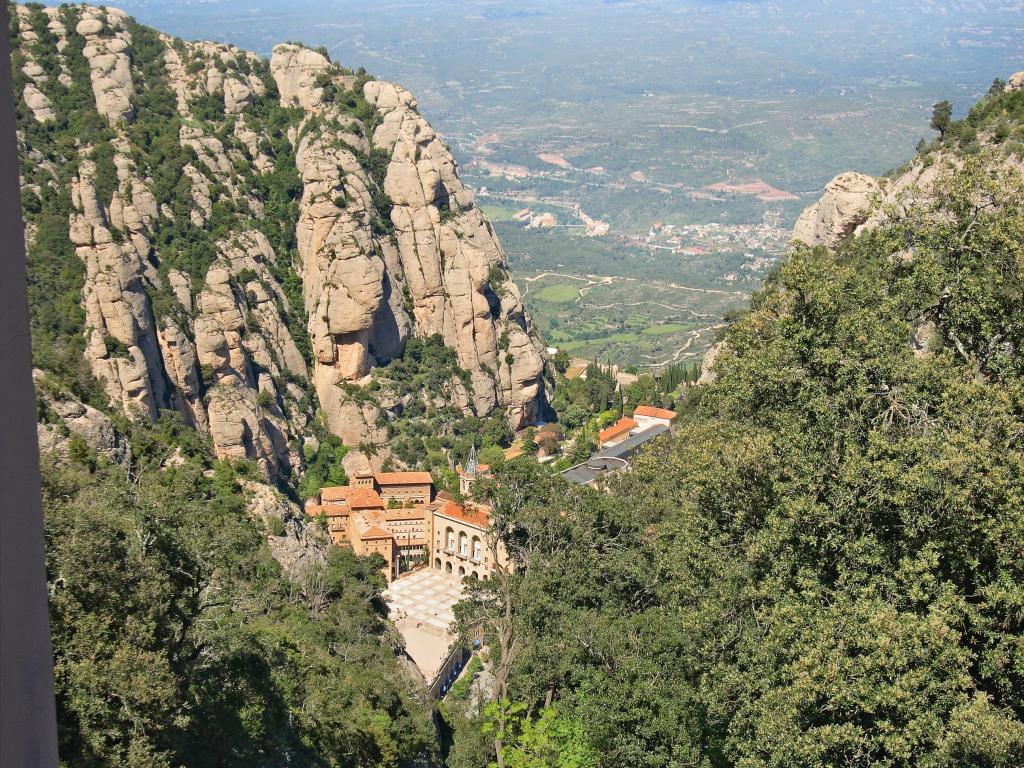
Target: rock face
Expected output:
[299,549]
[443,256]
[454,266]
[707,363]
[66,416]
[267,261]
[106,48]
[1015,82]
[844,205]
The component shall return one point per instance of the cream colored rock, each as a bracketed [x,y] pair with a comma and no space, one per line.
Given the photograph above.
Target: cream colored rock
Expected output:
[109,63]
[925,338]
[845,204]
[116,306]
[295,69]
[447,266]
[238,428]
[40,105]
[343,270]
[301,550]
[1015,82]
[77,418]
[34,72]
[237,96]
[182,367]
[261,162]
[707,363]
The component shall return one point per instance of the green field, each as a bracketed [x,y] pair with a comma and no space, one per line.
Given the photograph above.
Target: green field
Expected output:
[664,330]
[627,321]
[497,212]
[559,293]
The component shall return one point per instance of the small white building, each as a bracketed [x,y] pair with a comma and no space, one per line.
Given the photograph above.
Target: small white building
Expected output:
[647,416]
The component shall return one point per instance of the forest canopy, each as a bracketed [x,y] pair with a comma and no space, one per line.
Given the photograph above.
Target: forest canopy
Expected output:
[823,565]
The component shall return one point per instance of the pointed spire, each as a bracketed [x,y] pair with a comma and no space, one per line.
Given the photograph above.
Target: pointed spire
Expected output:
[472,463]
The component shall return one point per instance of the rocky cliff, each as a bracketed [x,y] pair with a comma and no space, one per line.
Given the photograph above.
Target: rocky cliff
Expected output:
[853,202]
[249,240]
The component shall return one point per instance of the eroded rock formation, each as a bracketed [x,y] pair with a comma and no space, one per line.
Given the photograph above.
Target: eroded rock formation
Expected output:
[844,205]
[190,305]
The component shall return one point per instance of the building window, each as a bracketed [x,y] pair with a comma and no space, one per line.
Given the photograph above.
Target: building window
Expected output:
[437,563]
[463,544]
[447,567]
[462,571]
[477,549]
[450,540]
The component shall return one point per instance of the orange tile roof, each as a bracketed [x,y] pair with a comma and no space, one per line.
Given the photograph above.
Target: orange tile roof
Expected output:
[314,509]
[619,428]
[373,532]
[476,516]
[332,493]
[357,498]
[656,413]
[419,513]
[403,478]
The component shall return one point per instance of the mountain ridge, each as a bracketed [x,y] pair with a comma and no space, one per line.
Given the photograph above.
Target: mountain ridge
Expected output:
[252,231]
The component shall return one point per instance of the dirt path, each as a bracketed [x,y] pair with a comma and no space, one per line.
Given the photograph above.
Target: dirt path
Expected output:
[590,282]
[653,304]
[593,281]
[694,336]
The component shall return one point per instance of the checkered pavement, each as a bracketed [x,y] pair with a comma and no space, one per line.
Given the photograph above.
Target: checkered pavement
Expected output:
[424,596]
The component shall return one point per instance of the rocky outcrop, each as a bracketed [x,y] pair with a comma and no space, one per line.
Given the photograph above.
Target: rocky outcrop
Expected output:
[384,243]
[454,267]
[65,416]
[121,336]
[295,69]
[300,550]
[707,363]
[853,203]
[365,290]
[40,105]
[106,49]
[844,205]
[925,337]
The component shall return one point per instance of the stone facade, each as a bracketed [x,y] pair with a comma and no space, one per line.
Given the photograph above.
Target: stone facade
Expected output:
[396,515]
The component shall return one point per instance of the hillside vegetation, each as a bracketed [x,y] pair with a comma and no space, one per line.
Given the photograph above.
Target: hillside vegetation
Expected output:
[824,565]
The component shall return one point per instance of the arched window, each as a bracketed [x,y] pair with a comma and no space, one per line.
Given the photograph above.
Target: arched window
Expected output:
[437,563]
[463,544]
[447,567]
[477,547]
[476,575]
[449,539]
[462,571]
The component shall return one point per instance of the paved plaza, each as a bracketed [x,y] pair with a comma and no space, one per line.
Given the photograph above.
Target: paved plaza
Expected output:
[424,597]
[421,608]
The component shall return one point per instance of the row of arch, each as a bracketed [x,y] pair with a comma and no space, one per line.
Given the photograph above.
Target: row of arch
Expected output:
[448,569]
[467,548]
